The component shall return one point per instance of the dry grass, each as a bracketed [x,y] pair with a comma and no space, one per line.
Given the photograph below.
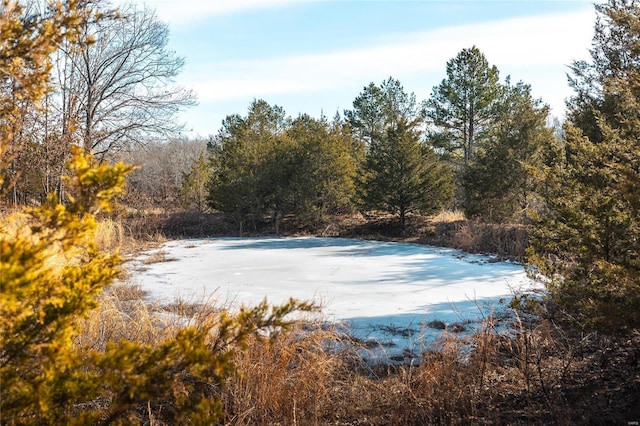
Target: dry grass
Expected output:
[139,231]
[124,314]
[289,380]
[126,292]
[448,216]
[507,241]
[159,225]
[447,229]
[120,317]
[312,375]
[17,225]
[110,235]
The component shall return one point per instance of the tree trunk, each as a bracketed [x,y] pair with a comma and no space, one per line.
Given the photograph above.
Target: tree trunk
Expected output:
[469,149]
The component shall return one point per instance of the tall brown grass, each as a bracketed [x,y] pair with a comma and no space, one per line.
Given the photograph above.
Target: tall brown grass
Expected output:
[507,241]
[448,216]
[128,237]
[290,380]
[110,235]
[527,371]
[124,315]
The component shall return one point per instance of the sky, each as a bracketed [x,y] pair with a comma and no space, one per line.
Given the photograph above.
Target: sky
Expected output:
[380,291]
[316,56]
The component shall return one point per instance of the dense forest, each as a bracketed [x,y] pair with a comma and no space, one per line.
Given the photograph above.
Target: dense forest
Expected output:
[86,89]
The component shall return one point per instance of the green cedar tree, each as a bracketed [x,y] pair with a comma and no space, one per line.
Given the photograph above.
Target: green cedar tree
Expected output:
[587,244]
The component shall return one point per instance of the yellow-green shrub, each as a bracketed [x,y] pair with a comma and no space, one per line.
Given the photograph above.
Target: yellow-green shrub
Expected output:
[52,272]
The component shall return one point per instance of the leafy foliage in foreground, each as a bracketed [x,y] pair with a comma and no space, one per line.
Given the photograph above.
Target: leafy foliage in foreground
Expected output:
[52,272]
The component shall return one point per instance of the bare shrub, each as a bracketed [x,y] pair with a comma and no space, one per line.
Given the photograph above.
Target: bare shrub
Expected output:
[464,238]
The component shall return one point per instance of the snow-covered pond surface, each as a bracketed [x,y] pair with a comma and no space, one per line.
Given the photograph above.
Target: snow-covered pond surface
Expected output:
[383,291]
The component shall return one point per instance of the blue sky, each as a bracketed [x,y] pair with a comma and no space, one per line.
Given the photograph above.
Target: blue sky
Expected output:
[316,56]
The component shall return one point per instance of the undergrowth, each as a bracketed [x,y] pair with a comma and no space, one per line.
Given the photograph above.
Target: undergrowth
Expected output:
[137,230]
[531,373]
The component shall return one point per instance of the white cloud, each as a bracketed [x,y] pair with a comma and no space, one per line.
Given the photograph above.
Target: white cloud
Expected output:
[521,47]
[182,12]
[534,49]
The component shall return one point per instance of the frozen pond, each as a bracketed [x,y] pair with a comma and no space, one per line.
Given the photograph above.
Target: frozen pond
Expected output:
[383,291]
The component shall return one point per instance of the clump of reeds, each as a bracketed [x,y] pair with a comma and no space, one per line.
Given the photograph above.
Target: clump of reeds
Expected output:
[448,216]
[505,241]
[109,235]
[124,315]
[292,379]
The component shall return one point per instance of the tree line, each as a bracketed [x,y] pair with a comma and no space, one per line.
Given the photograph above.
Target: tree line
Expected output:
[473,145]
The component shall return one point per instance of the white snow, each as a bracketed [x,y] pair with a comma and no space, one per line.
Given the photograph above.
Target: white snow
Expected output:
[381,291]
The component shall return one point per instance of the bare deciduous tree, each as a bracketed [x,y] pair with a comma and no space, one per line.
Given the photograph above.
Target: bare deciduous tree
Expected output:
[163,166]
[120,89]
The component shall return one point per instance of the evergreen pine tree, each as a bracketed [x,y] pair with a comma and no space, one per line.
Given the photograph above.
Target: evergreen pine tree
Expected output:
[268,165]
[587,244]
[462,112]
[500,182]
[193,188]
[461,107]
[323,178]
[405,176]
[241,182]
